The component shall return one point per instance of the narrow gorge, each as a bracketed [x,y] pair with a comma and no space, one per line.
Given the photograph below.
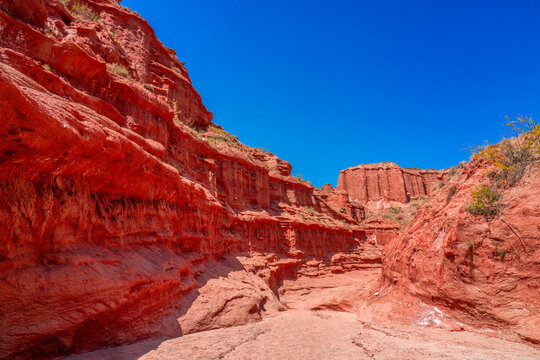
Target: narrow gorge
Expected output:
[127,216]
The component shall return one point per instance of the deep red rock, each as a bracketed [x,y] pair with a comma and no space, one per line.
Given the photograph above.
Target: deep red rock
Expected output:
[111,205]
[31,11]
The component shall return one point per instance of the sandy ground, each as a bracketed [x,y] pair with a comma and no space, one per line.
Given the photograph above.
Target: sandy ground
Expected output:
[304,333]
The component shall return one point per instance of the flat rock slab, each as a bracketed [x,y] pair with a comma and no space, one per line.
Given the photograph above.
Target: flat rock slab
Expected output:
[305,334]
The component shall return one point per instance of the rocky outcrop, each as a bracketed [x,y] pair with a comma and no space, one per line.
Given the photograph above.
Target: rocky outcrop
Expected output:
[386,182]
[483,271]
[380,231]
[112,203]
[341,202]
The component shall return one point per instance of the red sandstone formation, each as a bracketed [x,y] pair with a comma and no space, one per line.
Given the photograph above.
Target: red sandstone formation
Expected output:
[485,272]
[384,183]
[366,192]
[111,204]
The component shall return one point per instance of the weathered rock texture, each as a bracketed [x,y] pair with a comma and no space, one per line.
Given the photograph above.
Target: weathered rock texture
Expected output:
[485,272]
[386,182]
[111,206]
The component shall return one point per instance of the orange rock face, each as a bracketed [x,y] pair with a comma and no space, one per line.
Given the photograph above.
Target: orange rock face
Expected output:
[485,272]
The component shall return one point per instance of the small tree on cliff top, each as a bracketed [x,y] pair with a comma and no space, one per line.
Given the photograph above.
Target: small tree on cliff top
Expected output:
[512,155]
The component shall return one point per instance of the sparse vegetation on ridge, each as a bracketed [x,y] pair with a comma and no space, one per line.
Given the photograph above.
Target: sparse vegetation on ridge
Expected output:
[454,170]
[300,178]
[397,215]
[512,155]
[217,134]
[119,70]
[83,10]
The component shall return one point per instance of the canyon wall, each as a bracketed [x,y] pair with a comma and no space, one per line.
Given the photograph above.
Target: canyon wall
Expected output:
[482,271]
[114,198]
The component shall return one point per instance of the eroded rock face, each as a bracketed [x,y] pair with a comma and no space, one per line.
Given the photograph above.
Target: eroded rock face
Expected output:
[112,208]
[382,197]
[485,272]
[386,182]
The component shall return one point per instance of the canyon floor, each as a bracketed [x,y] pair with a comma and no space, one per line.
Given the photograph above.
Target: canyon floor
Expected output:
[310,329]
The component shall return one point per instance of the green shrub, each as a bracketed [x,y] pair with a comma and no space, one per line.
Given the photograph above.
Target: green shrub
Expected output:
[499,251]
[527,130]
[485,201]
[394,210]
[119,70]
[149,87]
[389,217]
[84,11]
[396,215]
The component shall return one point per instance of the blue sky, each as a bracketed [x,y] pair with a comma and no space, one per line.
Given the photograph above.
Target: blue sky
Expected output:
[329,85]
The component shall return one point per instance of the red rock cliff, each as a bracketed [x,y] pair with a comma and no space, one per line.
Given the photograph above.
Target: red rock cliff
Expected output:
[110,204]
[386,182]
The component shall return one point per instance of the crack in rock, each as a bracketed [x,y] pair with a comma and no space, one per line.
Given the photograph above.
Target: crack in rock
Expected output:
[253,337]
